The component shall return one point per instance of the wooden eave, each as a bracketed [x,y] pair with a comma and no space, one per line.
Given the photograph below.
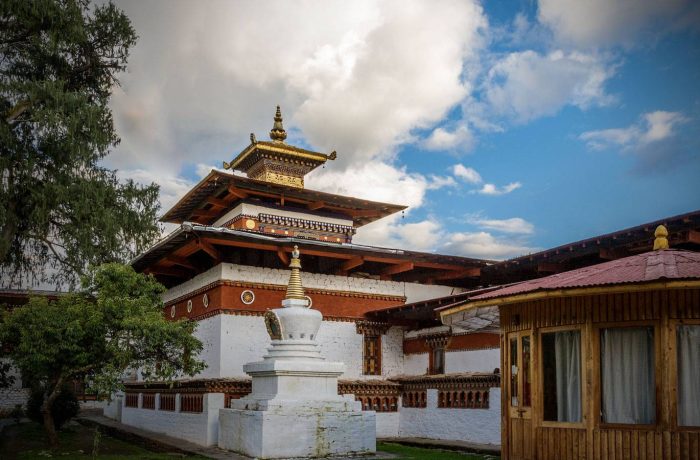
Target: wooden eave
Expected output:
[203,204]
[174,257]
[571,292]
[684,233]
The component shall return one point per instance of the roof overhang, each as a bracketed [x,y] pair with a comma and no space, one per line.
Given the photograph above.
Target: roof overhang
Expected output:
[559,293]
[219,191]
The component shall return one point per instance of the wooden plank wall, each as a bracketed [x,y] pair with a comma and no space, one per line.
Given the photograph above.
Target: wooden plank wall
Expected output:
[591,440]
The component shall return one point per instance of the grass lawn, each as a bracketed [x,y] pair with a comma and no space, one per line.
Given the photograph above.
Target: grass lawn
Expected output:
[28,441]
[417,453]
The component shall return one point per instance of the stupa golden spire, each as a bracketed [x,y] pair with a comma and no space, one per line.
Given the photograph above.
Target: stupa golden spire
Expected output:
[660,238]
[294,288]
[278,134]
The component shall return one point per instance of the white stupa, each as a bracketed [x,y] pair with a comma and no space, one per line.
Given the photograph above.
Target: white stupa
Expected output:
[294,409]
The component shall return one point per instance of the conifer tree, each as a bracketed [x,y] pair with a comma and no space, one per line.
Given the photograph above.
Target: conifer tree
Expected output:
[61,210]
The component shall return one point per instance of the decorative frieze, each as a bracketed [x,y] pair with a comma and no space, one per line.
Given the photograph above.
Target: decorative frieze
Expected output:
[371,328]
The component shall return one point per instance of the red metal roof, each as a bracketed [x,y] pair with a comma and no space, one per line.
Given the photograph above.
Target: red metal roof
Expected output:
[650,266]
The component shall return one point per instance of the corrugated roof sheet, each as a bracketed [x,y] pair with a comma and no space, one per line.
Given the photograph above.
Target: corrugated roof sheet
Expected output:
[650,266]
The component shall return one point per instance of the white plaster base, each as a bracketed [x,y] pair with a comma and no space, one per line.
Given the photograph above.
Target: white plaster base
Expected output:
[316,432]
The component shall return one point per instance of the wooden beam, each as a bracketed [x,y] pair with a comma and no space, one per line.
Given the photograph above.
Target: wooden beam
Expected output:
[349,264]
[217,202]
[169,271]
[363,212]
[549,267]
[214,253]
[693,237]
[316,205]
[612,253]
[181,261]
[396,269]
[204,214]
[238,193]
[283,256]
[458,274]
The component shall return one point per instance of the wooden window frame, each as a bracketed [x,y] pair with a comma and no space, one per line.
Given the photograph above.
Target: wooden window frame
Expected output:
[658,374]
[378,357]
[539,367]
[672,361]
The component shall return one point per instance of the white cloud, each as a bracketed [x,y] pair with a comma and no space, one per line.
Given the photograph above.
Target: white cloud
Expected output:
[492,189]
[609,22]
[515,225]
[442,139]
[485,245]
[469,175]
[527,85]
[652,127]
[203,76]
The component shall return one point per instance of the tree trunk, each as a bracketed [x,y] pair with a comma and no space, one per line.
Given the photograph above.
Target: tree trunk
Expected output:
[7,231]
[49,426]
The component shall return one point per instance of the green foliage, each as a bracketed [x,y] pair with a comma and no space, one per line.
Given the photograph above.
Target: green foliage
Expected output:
[58,207]
[114,325]
[64,407]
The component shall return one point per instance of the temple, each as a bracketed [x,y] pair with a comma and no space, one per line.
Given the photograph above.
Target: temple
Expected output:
[416,351]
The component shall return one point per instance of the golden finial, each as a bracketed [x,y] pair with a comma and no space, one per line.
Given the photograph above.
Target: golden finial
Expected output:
[660,238]
[294,288]
[278,134]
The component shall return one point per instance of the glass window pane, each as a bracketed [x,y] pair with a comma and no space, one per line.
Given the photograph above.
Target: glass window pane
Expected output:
[561,376]
[627,375]
[688,352]
[513,372]
[527,380]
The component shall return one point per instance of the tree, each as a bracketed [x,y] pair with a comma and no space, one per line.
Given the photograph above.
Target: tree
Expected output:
[59,208]
[115,324]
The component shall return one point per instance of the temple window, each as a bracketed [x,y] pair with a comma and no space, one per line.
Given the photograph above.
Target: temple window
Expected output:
[437,361]
[167,401]
[688,356]
[561,376]
[192,403]
[627,375]
[372,355]
[131,400]
[149,401]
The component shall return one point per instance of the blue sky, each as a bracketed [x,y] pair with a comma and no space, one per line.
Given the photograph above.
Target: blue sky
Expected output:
[507,127]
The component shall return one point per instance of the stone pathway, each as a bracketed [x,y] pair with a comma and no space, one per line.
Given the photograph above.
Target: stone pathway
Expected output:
[161,442]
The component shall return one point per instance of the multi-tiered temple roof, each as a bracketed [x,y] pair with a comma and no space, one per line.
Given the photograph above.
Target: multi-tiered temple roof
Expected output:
[256,220]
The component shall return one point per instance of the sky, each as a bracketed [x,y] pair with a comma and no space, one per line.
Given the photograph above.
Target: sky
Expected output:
[507,127]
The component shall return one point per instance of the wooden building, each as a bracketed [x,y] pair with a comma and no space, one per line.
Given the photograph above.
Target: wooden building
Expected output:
[601,362]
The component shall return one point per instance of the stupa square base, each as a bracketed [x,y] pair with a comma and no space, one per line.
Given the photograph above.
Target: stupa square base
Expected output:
[289,433]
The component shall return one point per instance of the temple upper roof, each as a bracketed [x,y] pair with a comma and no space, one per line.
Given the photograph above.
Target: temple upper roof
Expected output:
[276,161]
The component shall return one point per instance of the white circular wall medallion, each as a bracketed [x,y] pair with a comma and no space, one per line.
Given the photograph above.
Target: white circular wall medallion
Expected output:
[205,301]
[311,302]
[247,297]
[189,306]
[172,311]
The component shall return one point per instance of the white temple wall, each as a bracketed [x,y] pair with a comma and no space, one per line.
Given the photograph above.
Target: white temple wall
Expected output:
[485,360]
[209,332]
[200,428]
[244,339]
[413,292]
[14,394]
[415,364]
[388,424]
[482,426]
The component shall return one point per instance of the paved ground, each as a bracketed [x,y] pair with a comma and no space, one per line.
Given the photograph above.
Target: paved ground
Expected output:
[161,442]
[448,445]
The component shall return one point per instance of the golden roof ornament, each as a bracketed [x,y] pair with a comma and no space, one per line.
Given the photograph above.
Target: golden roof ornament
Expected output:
[278,134]
[294,288]
[660,238]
